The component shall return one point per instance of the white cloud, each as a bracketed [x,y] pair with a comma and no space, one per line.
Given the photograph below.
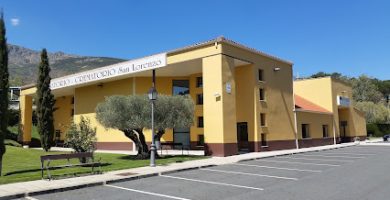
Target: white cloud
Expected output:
[15,21]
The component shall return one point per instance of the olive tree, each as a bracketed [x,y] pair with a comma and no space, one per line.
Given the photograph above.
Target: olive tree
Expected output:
[172,112]
[132,115]
[128,114]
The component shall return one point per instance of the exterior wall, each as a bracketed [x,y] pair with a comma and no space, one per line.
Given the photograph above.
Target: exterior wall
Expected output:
[318,91]
[195,130]
[63,114]
[86,100]
[220,130]
[315,121]
[245,100]
[324,92]
[26,117]
[278,105]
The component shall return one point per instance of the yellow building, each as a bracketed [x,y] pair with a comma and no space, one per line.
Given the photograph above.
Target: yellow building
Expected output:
[244,99]
[331,114]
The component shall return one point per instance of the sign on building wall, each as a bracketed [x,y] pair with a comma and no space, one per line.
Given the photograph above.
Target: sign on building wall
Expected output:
[120,69]
[343,101]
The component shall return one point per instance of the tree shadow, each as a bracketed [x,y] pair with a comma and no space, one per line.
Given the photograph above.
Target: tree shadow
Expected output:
[52,169]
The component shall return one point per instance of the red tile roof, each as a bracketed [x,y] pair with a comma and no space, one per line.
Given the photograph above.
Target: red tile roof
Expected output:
[305,104]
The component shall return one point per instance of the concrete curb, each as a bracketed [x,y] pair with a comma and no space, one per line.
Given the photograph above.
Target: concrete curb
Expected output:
[140,176]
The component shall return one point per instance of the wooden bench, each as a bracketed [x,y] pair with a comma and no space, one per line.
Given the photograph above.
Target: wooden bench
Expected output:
[88,156]
[172,145]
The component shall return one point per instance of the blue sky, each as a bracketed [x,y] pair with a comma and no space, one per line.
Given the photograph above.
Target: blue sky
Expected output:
[350,37]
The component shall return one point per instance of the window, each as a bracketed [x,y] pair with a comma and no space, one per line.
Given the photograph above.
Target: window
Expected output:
[261,75]
[262,119]
[199,99]
[305,131]
[261,93]
[264,140]
[325,131]
[181,87]
[200,122]
[200,140]
[72,101]
[199,82]
[72,113]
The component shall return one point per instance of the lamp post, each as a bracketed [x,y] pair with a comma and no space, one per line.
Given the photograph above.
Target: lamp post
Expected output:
[152,94]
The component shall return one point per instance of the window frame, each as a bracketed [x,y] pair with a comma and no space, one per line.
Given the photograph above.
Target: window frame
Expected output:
[306,130]
[198,102]
[263,122]
[199,82]
[325,134]
[200,125]
[260,75]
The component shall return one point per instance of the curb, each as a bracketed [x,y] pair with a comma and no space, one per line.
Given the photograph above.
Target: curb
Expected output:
[136,177]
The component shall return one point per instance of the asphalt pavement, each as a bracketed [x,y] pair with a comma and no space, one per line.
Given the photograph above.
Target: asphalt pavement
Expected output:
[358,172]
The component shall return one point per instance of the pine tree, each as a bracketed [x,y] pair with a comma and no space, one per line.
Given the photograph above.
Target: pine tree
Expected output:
[4,87]
[45,103]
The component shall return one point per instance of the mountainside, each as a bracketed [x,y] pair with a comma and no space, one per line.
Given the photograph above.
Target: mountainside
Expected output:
[23,64]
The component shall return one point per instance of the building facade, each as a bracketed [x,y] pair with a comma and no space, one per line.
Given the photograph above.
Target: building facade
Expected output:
[244,99]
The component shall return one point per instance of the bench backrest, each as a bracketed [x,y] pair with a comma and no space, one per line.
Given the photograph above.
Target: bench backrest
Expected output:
[66,156]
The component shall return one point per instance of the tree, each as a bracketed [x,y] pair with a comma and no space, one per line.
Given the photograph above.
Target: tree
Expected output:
[45,104]
[172,112]
[81,137]
[128,114]
[132,114]
[4,87]
[365,90]
[374,112]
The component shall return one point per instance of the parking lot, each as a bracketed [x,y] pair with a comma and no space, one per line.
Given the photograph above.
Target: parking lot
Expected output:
[359,172]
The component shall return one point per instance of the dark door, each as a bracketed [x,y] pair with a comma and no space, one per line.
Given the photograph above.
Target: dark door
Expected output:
[242,136]
[343,131]
[181,135]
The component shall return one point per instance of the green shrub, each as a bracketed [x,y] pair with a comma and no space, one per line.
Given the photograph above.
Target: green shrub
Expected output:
[81,137]
[373,130]
[13,117]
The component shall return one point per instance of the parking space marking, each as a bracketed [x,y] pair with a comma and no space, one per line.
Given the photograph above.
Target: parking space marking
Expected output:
[30,198]
[249,174]
[315,159]
[149,193]
[303,163]
[281,168]
[355,154]
[212,182]
[330,156]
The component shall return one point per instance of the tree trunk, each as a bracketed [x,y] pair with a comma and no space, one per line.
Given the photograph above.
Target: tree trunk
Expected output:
[138,138]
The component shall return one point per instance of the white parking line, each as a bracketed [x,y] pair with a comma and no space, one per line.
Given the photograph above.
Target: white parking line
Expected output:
[149,193]
[249,174]
[330,156]
[303,163]
[31,198]
[295,158]
[281,168]
[212,182]
[354,154]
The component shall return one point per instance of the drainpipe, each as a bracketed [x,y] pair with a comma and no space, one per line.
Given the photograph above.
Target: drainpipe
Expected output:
[296,128]
[334,131]
[295,116]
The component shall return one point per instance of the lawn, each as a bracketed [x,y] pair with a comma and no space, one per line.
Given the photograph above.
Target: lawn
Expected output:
[24,164]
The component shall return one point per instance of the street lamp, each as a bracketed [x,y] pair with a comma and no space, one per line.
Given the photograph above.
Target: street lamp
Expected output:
[152,94]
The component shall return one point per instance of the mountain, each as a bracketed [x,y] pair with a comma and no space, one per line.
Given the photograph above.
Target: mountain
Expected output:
[23,64]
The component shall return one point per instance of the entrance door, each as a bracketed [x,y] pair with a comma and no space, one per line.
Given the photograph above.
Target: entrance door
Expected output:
[343,131]
[242,136]
[181,135]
